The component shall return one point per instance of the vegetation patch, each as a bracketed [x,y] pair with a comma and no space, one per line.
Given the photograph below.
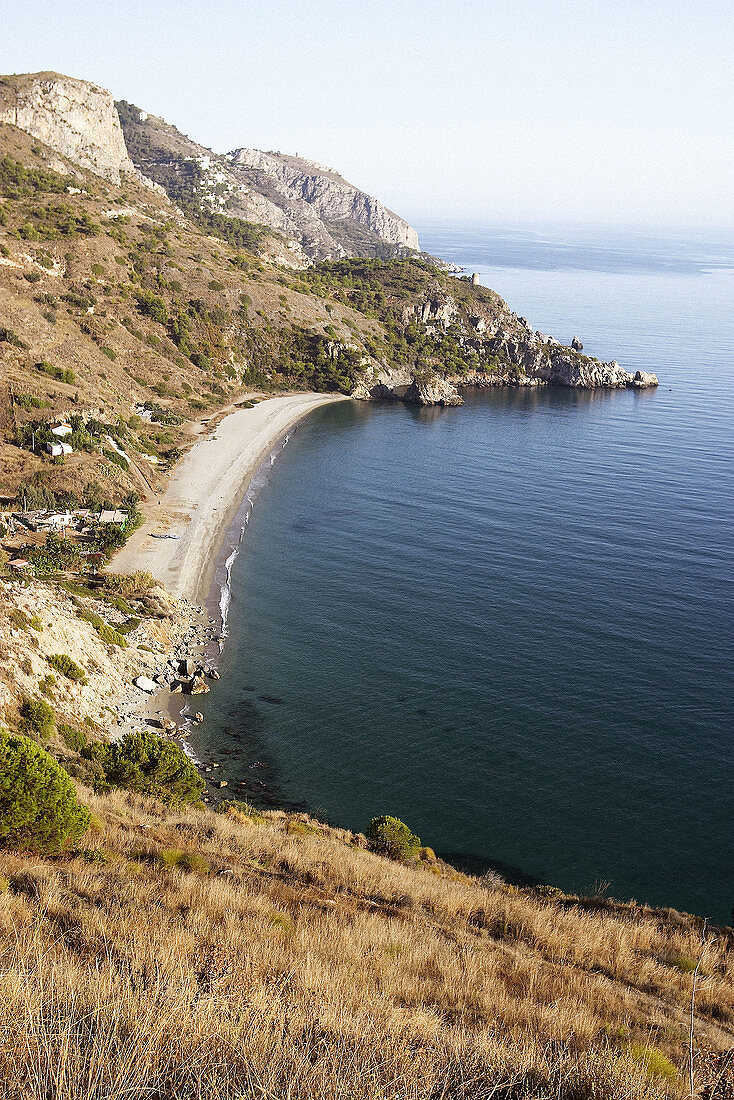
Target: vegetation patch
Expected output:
[64,664]
[148,764]
[106,632]
[389,836]
[37,719]
[39,810]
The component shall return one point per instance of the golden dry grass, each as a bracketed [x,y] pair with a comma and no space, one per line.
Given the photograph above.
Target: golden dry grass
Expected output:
[296,964]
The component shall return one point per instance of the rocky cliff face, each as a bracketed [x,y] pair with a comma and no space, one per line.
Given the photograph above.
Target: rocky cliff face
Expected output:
[329,198]
[314,207]
[423,387]
[73,117]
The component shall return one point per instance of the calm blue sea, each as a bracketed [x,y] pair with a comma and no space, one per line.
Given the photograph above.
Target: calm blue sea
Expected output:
[511,623]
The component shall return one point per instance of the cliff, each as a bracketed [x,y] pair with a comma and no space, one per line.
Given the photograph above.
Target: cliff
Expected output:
[343,209]
[122,314]
[73,117]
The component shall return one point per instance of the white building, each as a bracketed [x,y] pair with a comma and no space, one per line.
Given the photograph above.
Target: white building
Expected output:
[116,516]
[57,449]
[62,429]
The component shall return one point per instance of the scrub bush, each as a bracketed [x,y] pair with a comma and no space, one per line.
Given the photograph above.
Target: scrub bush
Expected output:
[37,719]
[39,810]
[389,836]
[63,663]
[148,764]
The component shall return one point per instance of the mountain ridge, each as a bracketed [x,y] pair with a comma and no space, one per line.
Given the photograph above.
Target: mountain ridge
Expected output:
[315,206]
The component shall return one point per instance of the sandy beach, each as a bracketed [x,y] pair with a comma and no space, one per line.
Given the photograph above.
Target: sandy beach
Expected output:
[204,493]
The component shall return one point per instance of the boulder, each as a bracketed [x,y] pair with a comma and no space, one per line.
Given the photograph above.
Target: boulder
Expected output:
[430,388]
[643,379]
[146,684]
[576,344]
[198,686]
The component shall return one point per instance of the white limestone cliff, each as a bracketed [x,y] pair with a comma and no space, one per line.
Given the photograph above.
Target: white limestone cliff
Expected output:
[73,117]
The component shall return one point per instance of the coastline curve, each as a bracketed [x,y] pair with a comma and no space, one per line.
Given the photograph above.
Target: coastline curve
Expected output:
[183,532]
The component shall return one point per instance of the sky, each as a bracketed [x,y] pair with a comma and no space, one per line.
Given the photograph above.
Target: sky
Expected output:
[618,112]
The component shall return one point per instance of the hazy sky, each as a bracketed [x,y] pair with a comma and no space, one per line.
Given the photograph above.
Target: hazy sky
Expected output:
[618,111]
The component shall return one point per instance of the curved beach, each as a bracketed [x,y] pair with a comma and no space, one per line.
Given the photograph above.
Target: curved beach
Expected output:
[204,493]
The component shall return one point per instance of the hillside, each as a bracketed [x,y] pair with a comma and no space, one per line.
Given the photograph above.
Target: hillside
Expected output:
[183,952]
[132,316]
[312,206]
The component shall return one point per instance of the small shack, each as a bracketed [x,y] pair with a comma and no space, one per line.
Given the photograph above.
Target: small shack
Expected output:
[62,430]
[108,515]
[57,449]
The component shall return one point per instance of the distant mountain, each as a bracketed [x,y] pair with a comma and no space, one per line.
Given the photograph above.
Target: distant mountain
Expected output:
[306,202]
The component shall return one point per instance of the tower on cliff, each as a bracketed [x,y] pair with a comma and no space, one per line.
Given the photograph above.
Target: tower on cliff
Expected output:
[475,279]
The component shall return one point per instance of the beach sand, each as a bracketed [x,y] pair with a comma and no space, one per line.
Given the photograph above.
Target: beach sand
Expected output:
[204,493]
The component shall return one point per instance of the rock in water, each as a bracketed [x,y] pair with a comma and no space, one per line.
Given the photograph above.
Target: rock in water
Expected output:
[431,389]
[643,379]
[576,344]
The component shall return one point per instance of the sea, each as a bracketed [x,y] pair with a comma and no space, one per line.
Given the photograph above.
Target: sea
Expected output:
[511,624]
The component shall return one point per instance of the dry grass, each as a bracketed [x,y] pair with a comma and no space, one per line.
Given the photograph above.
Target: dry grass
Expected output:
[278,963]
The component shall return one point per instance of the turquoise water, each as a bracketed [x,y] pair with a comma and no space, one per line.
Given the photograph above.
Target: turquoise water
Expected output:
[510,623]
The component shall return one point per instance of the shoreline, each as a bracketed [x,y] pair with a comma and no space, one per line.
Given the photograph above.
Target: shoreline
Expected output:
[200,507]
[183,533]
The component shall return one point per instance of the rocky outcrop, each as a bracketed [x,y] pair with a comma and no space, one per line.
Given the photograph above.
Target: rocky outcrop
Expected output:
[328,195]
[73,117]
[429,388]
[424,387]
[498,348]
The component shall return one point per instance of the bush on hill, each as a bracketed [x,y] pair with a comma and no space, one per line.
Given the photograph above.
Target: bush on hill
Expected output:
[39,810]
[148,764]
[389,836]
[64,664]
[37,719]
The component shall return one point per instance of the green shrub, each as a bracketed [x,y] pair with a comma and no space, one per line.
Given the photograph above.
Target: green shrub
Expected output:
[183,861]
[93,855]
[301,828]
[46,685]
[37,719]
[63,663]
[684,963]
[546,891]
[72,737]
[149,764]
[106,632]
[389,836]
[655,1063]
[39,810]
[237,808]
